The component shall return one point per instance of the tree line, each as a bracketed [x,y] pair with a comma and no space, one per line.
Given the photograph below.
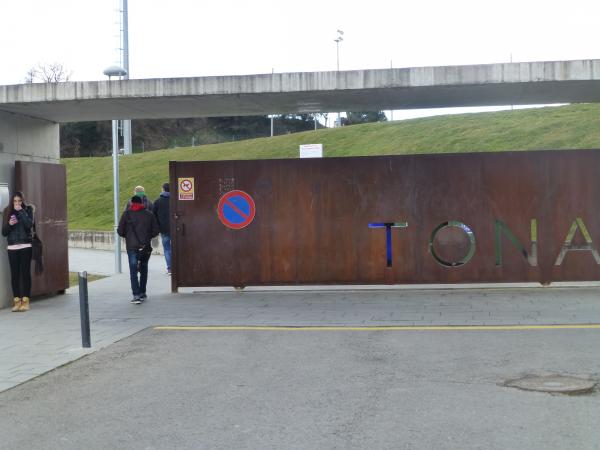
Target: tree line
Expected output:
[95,138]
[82,139]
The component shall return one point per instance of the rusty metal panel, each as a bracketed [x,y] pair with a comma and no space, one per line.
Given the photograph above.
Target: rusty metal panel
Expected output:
[44,185]
[446,218]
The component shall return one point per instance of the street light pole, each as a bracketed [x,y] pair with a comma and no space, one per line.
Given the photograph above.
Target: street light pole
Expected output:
[116,71]
[126,123]
[391,110]
[339,39]
[272,73]
[115,156]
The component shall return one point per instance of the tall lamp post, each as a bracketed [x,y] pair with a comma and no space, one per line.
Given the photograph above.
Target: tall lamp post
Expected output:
[125,61]
[337,41]
[116,71]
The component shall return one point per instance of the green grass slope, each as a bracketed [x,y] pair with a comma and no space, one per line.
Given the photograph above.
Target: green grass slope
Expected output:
[567,127]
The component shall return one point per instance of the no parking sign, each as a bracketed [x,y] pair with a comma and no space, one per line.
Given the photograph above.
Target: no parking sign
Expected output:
[236,209]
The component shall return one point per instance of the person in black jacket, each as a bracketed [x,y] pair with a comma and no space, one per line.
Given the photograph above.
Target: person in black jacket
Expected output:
[138,226]
[161,212]
[17,223]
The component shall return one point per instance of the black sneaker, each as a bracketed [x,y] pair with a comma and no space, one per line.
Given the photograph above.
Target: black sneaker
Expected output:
[143,297]
[135,300]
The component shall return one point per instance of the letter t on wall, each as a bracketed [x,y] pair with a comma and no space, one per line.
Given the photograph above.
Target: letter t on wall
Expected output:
[388,236]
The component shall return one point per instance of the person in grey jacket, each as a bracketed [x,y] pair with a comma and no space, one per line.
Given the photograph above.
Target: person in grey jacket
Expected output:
[140,192]
[17,223]
[138,226]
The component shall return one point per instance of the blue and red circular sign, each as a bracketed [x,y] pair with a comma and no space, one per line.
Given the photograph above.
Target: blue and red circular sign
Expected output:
[236,209]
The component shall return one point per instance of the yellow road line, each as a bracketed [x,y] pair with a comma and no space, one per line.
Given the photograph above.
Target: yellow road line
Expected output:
[379,328]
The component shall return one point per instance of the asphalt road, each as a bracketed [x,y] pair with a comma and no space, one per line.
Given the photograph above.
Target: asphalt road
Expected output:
[342,389]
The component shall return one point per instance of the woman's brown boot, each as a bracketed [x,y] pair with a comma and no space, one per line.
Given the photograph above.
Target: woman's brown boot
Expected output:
[24,304]
[17,306]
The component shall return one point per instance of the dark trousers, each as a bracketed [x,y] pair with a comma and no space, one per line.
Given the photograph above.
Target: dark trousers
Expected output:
[20,271]
[138,287]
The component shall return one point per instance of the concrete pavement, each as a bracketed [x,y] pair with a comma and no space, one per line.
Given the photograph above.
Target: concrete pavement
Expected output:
[49,336]
[311,389]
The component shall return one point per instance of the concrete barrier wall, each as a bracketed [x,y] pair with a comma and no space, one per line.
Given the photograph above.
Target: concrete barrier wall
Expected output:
[103,240]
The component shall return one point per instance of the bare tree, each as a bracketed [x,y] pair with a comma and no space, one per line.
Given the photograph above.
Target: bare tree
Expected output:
[31,75]
[47,73]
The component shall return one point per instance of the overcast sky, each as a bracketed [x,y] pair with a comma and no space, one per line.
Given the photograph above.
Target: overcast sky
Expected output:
[181,38]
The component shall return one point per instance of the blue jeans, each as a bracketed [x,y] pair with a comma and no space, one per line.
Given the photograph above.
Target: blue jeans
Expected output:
[137,287]
[166,243]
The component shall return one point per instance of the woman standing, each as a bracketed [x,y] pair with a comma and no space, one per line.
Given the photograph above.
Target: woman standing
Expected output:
[17,223]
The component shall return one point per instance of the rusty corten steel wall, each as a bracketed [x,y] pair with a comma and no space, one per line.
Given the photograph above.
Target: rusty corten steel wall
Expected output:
[44,185]
[313,216]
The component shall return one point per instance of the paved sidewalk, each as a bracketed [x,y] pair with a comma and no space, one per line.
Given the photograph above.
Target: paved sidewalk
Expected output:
[49,335]
[102,262]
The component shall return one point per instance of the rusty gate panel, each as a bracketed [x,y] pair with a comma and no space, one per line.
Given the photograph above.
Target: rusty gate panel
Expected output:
[45,186]
[444,218]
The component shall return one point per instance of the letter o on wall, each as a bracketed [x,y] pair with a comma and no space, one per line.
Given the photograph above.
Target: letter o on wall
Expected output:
[471,242]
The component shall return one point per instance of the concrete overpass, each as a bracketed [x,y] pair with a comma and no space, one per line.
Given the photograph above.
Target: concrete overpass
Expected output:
[30,114]
[357,90]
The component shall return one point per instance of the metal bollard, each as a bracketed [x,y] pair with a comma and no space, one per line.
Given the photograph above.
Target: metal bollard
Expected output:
[84,310]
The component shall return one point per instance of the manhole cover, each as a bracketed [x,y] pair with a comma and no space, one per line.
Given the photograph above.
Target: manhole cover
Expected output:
[553,383]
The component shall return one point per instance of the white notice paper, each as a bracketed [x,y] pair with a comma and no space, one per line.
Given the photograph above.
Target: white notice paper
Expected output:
[311,151]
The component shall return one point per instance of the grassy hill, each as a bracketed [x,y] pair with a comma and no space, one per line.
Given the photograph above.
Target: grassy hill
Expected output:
[567,127]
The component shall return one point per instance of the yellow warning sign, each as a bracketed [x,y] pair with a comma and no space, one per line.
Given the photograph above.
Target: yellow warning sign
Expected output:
[186,188]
